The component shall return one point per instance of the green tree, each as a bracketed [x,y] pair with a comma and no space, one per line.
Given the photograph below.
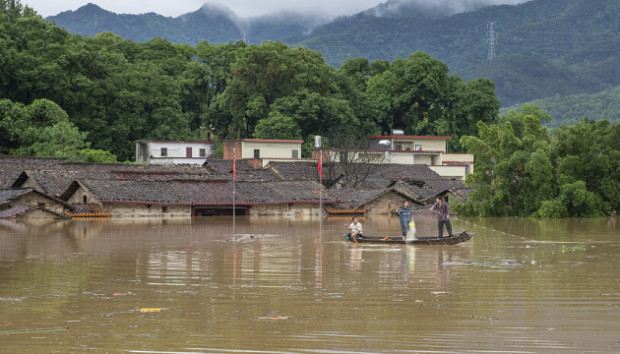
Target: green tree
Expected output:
[277,126]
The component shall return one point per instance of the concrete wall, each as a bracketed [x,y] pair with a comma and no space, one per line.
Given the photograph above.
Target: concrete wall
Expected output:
[270,149]
[457,172]
[175,150]
[409,143]
[286,210]
[126,210]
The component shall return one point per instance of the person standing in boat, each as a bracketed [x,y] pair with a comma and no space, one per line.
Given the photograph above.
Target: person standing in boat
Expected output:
[355,230]
[405,218]
[442,210]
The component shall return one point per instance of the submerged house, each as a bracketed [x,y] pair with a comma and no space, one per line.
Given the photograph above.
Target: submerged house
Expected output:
[28,203]
[186,198]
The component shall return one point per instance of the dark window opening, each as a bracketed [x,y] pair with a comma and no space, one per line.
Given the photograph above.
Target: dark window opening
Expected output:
[85,199]
[295,154]
[203,152]
[164,209]
[164,151]
[256,153]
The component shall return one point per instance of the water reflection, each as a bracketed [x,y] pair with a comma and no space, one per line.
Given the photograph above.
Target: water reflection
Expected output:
[292,286]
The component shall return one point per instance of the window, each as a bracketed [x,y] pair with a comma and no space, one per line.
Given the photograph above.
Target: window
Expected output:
[188,152]
[343,156]
[295,154]
[398,147]
[418,147]
[164,209]
[164,151]
[257,153]
[203,152]
[85,199]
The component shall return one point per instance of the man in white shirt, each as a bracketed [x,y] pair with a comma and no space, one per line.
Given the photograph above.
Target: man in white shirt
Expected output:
[355,230]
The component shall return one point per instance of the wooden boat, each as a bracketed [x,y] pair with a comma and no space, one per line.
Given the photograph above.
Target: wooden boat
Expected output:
[433,240]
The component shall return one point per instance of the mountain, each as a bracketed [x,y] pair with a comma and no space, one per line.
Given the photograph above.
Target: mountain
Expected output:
[544,47]
[212,22]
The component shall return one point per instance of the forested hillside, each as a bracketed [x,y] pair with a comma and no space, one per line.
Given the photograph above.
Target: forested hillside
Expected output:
[214,23]
[105,92]
[544,47]
[569,110]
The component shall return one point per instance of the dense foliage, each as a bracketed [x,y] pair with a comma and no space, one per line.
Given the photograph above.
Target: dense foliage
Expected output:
[521,170]
[111,92]
[569,110]
[545,48]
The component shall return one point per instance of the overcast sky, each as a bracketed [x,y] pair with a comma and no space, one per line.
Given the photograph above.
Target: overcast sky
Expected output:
[243,8]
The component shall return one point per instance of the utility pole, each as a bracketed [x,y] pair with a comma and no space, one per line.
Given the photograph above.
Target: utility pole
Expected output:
[492,39]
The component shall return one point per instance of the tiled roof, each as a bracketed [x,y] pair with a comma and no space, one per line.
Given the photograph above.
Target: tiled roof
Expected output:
[8,194]
[16,211]
[202,192]
[306,171]
[23,209]
[355,198]
[244,171]
[12,166]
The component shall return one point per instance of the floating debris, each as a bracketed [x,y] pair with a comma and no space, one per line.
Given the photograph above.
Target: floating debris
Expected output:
[273,318]
[484,317]
[30,330]
[12,299]
[148,309]
[123,294]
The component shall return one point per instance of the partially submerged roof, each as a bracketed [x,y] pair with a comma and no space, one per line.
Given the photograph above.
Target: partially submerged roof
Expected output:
[193,192]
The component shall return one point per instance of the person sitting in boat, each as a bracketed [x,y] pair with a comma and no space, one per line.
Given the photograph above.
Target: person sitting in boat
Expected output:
[405,218]
[442,210]
[355,230]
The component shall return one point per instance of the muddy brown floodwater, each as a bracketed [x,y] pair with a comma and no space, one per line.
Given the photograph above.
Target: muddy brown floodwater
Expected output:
[295,286]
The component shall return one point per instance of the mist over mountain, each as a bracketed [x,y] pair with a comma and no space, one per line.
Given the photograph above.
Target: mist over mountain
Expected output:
[213,22]
[543,47]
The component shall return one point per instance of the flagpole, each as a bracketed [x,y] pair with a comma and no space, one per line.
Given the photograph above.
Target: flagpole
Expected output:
[234,178]
[321,187]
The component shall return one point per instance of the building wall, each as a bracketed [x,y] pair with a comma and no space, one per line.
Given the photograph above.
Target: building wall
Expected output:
[270,149]
[457,172]
[409,143]
[78,197]
[385,204]
[34,199]
[175,149]
[285,210]
[126,210]
[36,215]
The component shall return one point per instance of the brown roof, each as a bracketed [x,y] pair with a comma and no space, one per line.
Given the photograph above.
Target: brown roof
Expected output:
[9,194]
[243,170]
[201,192]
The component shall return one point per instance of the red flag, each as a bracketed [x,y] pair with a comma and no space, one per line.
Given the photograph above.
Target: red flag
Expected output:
[234,168]
[320,167]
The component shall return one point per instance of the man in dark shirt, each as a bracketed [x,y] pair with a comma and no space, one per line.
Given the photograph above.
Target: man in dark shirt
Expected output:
[443,216]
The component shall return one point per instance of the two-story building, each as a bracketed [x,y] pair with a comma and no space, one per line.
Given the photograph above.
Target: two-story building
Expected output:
[173,152]
[262,151]
[409,150]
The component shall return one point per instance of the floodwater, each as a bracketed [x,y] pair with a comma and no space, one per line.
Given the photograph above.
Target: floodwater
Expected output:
[295,286]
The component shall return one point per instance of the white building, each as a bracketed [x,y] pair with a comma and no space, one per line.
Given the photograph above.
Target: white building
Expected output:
[168,152]
[263,150]
[410,150]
